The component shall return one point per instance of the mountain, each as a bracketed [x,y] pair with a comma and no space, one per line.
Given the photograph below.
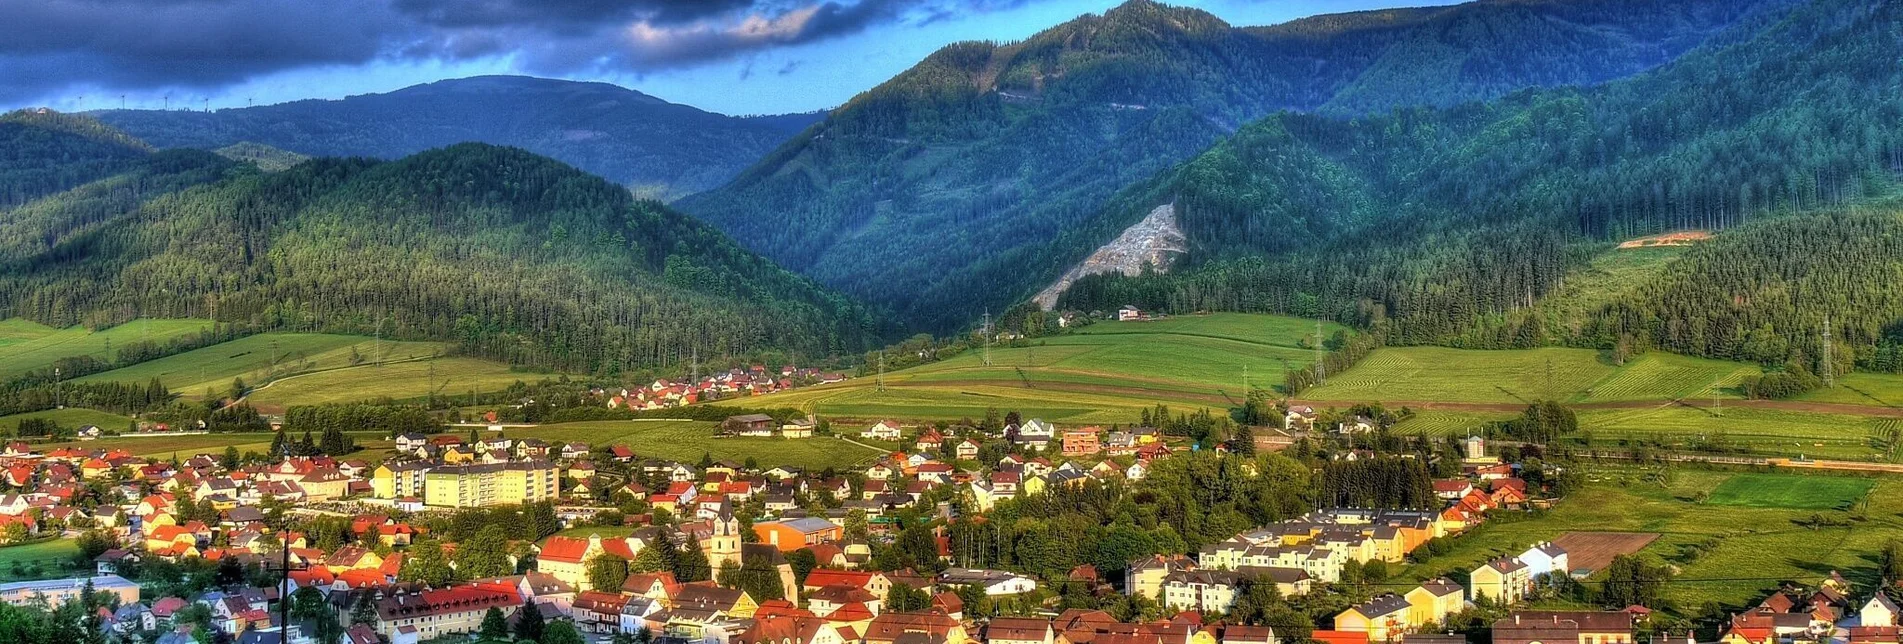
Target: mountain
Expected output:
[513,255]
[1466,226]
[43,152]
[939,192]
[660,149]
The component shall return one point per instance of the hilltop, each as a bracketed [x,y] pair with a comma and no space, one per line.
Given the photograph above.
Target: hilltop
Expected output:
[939,192]
[510,255]
[662,150]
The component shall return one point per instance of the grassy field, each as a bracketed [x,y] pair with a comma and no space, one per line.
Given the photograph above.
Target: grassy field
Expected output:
[686,440]
[454,375]
[1515,376]
[1791,491]
[1759,543]
[1447,423]
[53,556]
[70,418]
[261,358]
[25,346]
[1103,373]
[1763,431]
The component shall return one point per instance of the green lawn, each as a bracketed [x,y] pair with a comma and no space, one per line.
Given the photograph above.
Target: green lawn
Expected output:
[1791,491]
[25,346]
[260,358]
[1765,544]
[686,440]
[70,418]
[53,556]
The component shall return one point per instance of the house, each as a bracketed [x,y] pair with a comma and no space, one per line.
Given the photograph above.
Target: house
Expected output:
[994,582]
[1434,601]
[1564,627]
[1019,630]
[965,450]
[871,581]
[1504,580]
[759,425]
[433,613]
[1081,442]
[1879,611]
[1129,313]
[884,430]
[1545,558]
[1383,618]
[1299,417]
[925,626]
[793,534]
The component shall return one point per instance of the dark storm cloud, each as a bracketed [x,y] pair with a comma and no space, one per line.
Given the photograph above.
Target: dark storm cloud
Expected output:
[49,46]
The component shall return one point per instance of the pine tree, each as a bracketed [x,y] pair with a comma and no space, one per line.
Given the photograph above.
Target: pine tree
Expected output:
[494,626]
[528,622]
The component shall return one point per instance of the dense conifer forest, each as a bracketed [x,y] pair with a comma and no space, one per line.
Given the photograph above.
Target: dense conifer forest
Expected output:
[1454,223]
[511,255]
[937,193]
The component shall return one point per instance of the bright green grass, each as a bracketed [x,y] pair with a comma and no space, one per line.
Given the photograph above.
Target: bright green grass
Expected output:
[260,358]
[1447,423]
[1761,431]
[1104,373]
[54,557]
[415,379]
[1609,276]
[71,418]
[36,350]
[1879,389]
[1461,375]
[17,330]
[1791,491]
[1764,543]
[684,440]
[1520,375]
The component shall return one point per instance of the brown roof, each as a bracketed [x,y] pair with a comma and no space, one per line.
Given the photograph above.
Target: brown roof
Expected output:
[1017,628]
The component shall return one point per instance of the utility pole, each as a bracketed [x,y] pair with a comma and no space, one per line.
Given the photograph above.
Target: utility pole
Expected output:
[987,338]
[1825,366]
[694,369]
[59,400]
[881,370]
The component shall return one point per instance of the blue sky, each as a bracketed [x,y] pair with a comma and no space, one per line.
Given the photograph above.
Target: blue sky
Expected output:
[730,56]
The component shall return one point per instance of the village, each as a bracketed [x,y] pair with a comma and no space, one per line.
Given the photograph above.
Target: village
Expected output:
[646,550]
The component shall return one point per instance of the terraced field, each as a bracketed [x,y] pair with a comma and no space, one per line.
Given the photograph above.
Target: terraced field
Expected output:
[1447,423]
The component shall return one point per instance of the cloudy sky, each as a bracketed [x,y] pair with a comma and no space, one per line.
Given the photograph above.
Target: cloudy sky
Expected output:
[732,56]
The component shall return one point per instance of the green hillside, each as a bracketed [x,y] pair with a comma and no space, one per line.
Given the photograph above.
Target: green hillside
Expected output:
[262,358]
[512,256]
[26,346]
[44,153]
[944,190]
[1452,225]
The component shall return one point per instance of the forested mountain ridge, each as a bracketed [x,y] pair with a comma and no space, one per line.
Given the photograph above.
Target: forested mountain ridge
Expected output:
[512,255]
[1451,225]
[43,152]
[660,149]
[936,192]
